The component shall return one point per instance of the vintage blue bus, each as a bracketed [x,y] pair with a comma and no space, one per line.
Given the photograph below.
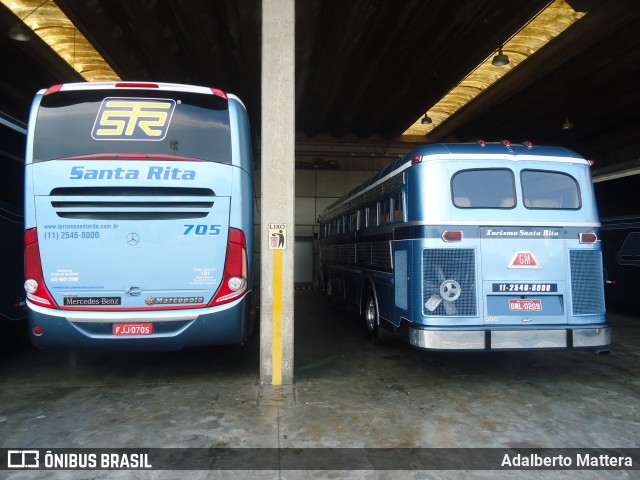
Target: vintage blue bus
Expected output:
[138,217]
[471,247]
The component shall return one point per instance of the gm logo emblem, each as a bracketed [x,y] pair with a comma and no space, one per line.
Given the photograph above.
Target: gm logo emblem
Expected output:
[133,119]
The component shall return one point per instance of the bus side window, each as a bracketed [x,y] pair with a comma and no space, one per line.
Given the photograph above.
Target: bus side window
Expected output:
[354,221]
[372,215]
[398,208]
[385,211]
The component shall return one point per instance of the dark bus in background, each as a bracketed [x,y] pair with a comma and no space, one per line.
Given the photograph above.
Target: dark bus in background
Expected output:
[12,152]
[619,210]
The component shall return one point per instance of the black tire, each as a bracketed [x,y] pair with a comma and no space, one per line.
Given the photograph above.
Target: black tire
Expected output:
[330,290]
[377,334]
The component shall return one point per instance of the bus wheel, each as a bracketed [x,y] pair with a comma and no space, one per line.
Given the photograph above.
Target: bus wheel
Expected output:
[377,334]
[332,295]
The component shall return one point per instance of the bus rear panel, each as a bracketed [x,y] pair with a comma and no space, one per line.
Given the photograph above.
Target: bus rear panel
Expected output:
[138,217]
[473,247]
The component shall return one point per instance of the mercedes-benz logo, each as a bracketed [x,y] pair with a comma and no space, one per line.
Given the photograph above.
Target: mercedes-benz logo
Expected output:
[133,238]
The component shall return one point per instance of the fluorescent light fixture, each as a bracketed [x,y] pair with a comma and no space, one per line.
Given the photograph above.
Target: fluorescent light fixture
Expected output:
[544,27]
[48,22]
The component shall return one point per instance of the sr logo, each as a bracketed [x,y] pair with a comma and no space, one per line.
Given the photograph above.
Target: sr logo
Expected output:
[133,119]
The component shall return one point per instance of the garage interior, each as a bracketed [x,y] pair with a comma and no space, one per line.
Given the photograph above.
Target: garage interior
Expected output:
[373,79]
[368,75]
[366,71]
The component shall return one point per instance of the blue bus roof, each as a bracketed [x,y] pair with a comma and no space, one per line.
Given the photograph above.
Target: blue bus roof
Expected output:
[497,148]
[492,148]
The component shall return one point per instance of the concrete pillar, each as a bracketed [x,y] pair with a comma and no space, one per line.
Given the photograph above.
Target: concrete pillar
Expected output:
[277,192]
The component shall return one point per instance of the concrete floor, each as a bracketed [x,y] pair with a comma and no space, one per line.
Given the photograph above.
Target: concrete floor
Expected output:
[347,394]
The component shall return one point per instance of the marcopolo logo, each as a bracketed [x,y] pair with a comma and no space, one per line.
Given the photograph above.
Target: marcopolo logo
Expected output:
[133,119]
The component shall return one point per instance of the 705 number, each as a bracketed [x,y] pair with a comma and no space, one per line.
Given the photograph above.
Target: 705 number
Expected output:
[202,229]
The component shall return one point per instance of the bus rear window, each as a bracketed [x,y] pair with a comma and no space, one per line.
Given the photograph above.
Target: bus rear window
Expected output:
[549,190]
[486,188]
[93,122]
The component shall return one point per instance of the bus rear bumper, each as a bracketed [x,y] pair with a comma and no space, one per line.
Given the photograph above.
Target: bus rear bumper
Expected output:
[590,336]
[172,329]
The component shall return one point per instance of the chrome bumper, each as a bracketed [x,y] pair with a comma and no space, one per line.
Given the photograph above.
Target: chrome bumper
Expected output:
[581,337]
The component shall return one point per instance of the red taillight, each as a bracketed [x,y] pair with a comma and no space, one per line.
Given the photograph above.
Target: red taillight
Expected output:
[136,85]
[235,279]
[219,93]
[416,159]
[131,156]
[452,236]
[588,238]
[34,279]
[53,89]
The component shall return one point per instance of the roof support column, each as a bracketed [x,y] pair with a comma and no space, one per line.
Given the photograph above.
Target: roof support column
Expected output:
[277,231]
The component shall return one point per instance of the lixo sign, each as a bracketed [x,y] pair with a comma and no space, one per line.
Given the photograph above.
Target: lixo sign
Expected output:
[277,236]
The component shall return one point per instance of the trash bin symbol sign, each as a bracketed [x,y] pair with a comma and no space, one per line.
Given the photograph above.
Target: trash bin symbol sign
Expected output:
[277,236]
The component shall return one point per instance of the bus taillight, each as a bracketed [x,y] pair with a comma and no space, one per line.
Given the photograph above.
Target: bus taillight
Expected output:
[452,236]
[234,280]
[53,89]
[136,85]
[588,238]
[34,279]
[219,93]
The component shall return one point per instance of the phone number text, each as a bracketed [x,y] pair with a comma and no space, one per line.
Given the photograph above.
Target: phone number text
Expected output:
[524,287]
[72,235]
